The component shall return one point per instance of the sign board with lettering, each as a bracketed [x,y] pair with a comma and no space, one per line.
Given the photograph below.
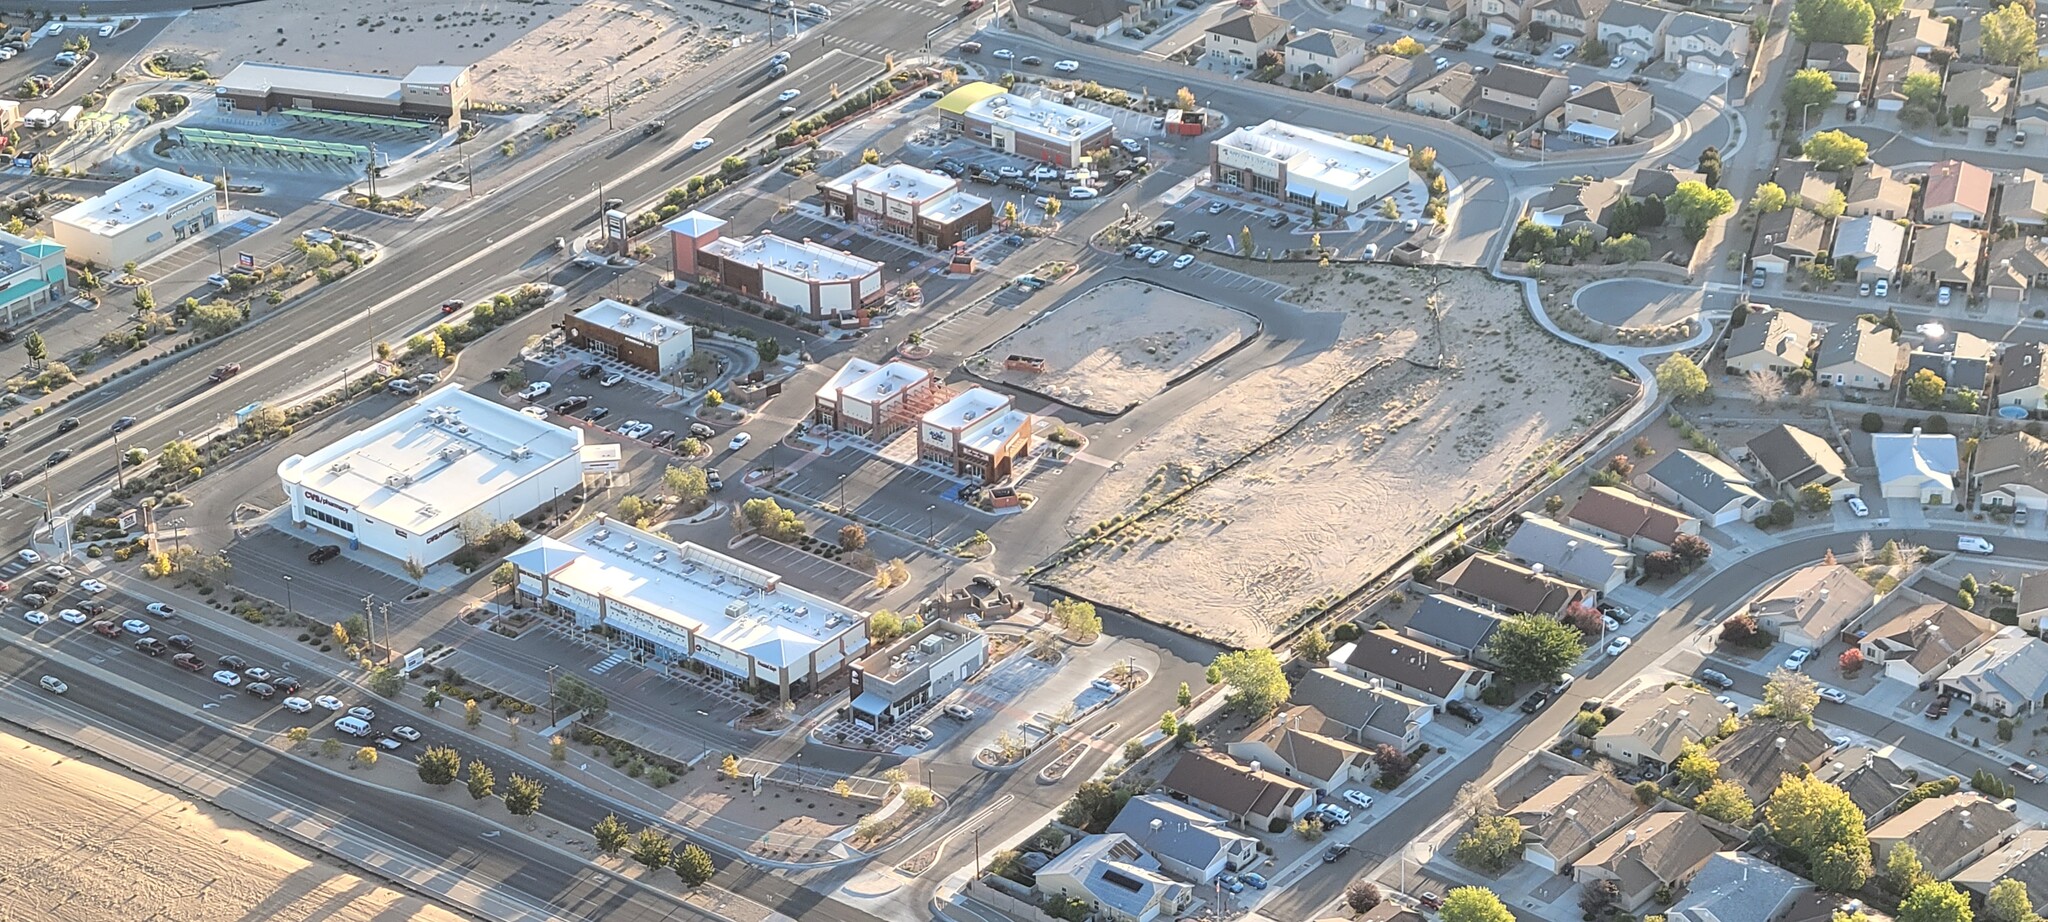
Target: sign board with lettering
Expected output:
[601,459]
[414,659]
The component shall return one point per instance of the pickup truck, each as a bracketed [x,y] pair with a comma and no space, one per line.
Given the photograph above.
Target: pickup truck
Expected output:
[2034,774]
[225,372]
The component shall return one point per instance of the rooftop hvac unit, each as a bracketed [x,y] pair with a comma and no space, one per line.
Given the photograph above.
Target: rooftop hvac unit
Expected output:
[632,546]
[428,512]
[461,430]
[931,645]
[338,467]
[521,453]
[736,609]
[601,534]
[660,556]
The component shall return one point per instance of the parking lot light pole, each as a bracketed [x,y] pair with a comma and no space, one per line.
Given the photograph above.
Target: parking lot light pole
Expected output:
[288,598]
[929,536]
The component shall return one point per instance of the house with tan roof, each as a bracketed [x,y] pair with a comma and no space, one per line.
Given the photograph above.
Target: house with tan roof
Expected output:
[1945,256]
[1987,93]
[2024,200]
[1813,605]
[1956,193]
[1254,799]
[1288,743]
[2010,471]
[1579,556]
[1916,638]
[1859,354]
[1616,112]
[1950,832]
[1888,81]
[1509,587]
[1410,667]
[1705,44]
[1502,17]
[1652,728]
[2023,858]
[1513,97]
[1447,95]
[1363,712]
[1633,520]
[1791,458]
[1634,31]
[1240,40]
[1568,18]
[1788,238]
[1563,820]
[1660,851]
[2018,267]
[1874,781]
[1573,205]
[2020,383]
[1847,65]
[2032,601]
[1915,32]
[1090,19]
[1325,53]
[1772,340]
[1379,79]
[1873,190]
[1758,755]
[1805,183]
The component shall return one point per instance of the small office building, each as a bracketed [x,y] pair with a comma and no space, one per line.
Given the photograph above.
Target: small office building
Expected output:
[1034,128]
[915,671]
[903,200]
[436,92]
[811,278]
[649,342]
[979,434]
[138,219]
[1305,166]
[875,401]
[32,278]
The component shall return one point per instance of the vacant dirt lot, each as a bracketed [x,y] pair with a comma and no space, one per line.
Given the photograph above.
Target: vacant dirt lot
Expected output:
[91,844]
[1119,343]
[1363,480]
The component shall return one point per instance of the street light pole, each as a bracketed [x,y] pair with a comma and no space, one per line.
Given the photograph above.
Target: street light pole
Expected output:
[288,599]
[929,536]
[1803,110]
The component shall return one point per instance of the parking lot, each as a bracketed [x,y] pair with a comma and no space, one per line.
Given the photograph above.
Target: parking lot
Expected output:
[1346,237]
[909,501]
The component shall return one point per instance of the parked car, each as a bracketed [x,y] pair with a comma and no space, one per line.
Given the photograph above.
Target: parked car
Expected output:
[1717,678]
[1798,658]
[1463,710]
[1971,544]
[324,553]
[1618,646]
[1939,707]
[1535,702]
[1335,852]
[1830,693]
[1857,506]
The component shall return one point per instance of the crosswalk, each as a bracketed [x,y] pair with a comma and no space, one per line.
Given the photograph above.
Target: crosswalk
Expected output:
[605,665]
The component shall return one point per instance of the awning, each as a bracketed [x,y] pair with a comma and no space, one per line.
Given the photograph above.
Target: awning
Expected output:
[22,289]
[871,704]
[1326,199]
[1592,132]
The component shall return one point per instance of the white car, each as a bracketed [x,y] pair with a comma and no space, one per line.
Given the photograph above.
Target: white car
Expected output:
[1618,646]
[160,609]
[1185,260]
[6,53]
[1728,702]
[1943,295]
[1608,622]
[28,556]
[611,380]
[36,617]
[1858,506]
[362,713]
[329,702]
[1066,67]
[1358,799]
[135,626]
[426,380]
[1798,658]
[535,412]
[297,705]
[1884,287]
[701,143]
[536,390]
[71,616]
[1043,171]
[407,734]
[59,572]
[739,441]
[1002,54]
[1081,192]
[1971,544]
[1157,257]
[228,677]
[921,734]
[788,95]
[1131,145]
[1142,253]
[93,586]
[258,674]
[1010,172]
[1833,694]
[1564,51]
[1217,207]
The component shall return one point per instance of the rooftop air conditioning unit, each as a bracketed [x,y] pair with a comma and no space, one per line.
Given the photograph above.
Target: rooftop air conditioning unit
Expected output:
[521,453]
[338,467]
[931,645]
[632,546]
[601,534]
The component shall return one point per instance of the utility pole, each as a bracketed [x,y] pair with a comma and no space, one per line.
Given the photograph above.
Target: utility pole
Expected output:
[553,718]
[371,171]
[369,616]
[120,463]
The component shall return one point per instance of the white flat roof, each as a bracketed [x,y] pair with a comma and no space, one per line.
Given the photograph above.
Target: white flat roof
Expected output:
[264,77]
[854,369]
[895,180]
[952,205]
[730,603]
[801,259]
[1314,155]
[631,321]
[136,200]
[432,462]
[1041,117]
[888,379]
[972,404]
[994,431]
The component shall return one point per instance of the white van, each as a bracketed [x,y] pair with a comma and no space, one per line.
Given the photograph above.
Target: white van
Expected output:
[959,712]
[353,726]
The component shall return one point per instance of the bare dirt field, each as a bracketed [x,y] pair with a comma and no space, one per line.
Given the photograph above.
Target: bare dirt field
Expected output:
[1119,343]
[88,843]
[1362,481]
[526,54]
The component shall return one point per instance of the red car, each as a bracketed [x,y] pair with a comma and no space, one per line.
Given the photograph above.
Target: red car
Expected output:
[451,305]
[106,628]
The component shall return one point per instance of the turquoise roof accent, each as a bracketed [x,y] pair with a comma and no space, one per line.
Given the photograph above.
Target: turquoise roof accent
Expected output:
[42,248]
[22,289]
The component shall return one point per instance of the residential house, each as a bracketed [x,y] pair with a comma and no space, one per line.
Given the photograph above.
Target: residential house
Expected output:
[1387,911]
[1705,44]
[1085,19]
[2019,377]
[2025,201]
[1660,851]
[1956,193]
[1241,39]
[1652,729]
[1761,753]
[1770,340]
[2008,675]
[1792,458]
[1446,95]
[1874,782]
[1888,83]
[1707,487]
[1813,605]
[1513,97]
[1564,819]
[2033,87]
[1454,625]
[2032,601]
[1188,843]
[1915,32]
[1607,112]
[1509,587]
[1502,17]
[2031,117]
[1945,256]
[1916,465]
[1288,743]
[1987,93]
[1805,184]
[1859,354]
[2024,858]
[2018,266]
[1874,191]
[1660,181]
[1367,713]
[1582,557]
[1573,19]
[1634,31]
[1949,832]
[1847,65]
[1409,666]
[1915,638]
[1444,11]
[1787,238]
[1961,360]
[1121,881]
[1637,522]
[2010,471]
[1252,798]
[1380,79]
[1324,53]
[1571,206]
[1737,887]
[1877,245]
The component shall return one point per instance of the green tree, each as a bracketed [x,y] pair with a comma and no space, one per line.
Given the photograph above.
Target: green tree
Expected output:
[1922,91]
[1884,10]
[574,694]
[852,537]
[1725,801]
[1903,872]
[178,455]
[1535,648]
[1832,206]
[472,716]
[1682,378]
[1925,387]
[1816,497]
[1790,696]
[37,349]
[1695,768]
[439,765]
[1474,904]
[1313,646]
[651,849]
[1843,867]
[693,864]
[1493,844]
[688,485]
[1710,166]
[1845,21]
[1078,619]
[482,781]
[1809,816]
[2009,36]
[768,349]
[1768,198]
[884,626]
[386,681]
[2009,902]
[1697,205]
[609,834]
[1185,696]
[1835,150]
[1935,901]
[1257,683]
[1808,87]
[522,795]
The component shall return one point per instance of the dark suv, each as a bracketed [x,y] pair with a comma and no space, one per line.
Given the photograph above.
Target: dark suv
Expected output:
[181,641]
[1463,710]
[324,553]
[1717,678]
[1536,702]
[233,662]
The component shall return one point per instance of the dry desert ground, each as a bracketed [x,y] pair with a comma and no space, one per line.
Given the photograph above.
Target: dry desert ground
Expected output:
[88,843]
[1362,481]
[1118,343]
